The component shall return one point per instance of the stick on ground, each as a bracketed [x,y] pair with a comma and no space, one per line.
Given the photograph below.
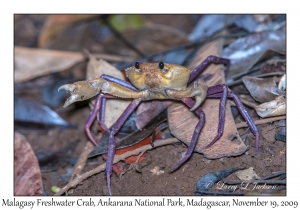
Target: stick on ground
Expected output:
[117,158]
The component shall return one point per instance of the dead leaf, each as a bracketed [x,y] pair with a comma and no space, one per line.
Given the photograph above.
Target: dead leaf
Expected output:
[148,110]
[27,175]
[32,115]
[273,108]
[203,27]
[219,21]
[130,135]
[183,22]
[114,107]
[56,23]
[247,174]
[247,51]
[26,31]
[262,89]
[273,65]
[31,63]
[182,122]
[148,40]
[282,83]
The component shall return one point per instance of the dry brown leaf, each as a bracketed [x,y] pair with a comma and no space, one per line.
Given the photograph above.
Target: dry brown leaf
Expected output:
[282,83]
[246,51]
[27,175]
[114,107]
[31,63]
[273,108]
[273,65]
[262,89]
[148,110]
[148,40]
[247,174]
[182,122]
[56,23]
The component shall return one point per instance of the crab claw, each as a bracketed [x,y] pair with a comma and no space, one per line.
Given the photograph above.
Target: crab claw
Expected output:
[199,91]
[82,90]
[199,101]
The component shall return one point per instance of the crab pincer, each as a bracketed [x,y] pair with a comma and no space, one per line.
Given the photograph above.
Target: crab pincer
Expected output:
[82,90]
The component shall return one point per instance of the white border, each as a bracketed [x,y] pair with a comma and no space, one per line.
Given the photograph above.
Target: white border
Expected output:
[159,7]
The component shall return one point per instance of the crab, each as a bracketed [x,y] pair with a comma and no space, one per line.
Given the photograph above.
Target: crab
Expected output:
[156,81]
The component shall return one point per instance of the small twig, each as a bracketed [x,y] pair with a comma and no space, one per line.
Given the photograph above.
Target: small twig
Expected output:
[138,158]
[113,58]
[184,168]
[132,165]
[117,158]
[262,121]
[109,57]
[82,160]
[122,38]
[248,103]
[273,175]
[258,76]
[276,172]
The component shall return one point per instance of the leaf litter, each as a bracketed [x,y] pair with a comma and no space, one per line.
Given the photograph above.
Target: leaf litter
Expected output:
[164,157]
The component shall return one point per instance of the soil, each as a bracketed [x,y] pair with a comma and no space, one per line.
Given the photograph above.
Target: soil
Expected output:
[270,158]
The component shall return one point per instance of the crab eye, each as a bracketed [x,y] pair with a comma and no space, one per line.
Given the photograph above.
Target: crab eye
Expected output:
[137,65]
[161,65]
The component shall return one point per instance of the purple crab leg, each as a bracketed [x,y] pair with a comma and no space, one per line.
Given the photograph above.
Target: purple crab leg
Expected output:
[102,110]
[119,81]
[190,103]
[216,92]
[112,144]
[100,106]
[210,59]
[92,117]
[222,107]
